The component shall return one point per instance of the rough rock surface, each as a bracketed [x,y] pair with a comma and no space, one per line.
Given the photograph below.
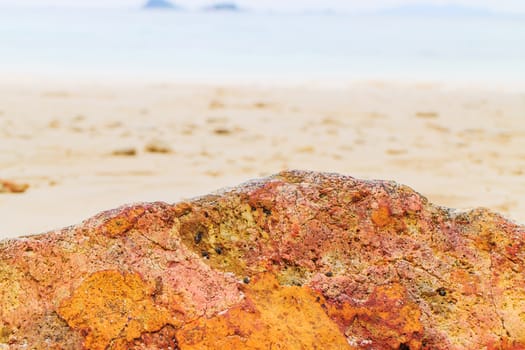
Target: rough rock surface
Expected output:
[297,261]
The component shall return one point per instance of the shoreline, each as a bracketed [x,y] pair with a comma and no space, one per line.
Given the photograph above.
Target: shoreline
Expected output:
[116,80]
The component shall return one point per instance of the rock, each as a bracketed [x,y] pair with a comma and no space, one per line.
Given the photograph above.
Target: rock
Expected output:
[12,187]
[158,146]
[299,260]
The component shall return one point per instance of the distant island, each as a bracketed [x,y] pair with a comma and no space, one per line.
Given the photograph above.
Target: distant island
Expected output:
[223,6]
[436,11]
[159,4]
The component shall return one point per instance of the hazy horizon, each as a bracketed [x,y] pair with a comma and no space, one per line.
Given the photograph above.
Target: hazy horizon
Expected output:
[510,6]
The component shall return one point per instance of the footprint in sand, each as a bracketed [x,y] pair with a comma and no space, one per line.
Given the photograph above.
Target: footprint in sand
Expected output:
[305,149]
[125,151]
[222,131]
[79,118]
[427,115]
[213,173]
[395,152]
[158,146]
[438,128]
[331,121]
[346,148]
[216,120]
[114,124]
[261,105]
[215,104]
[54,124]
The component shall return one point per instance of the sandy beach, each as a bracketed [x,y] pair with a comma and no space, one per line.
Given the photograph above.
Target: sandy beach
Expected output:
[84,147]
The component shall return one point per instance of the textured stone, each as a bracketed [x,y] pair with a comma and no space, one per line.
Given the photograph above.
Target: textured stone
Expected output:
[296,261]
[112,306]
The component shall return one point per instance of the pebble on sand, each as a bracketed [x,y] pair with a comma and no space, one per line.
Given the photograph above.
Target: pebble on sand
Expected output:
[12,187]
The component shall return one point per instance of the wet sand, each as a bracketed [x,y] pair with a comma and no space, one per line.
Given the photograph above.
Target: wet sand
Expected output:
[84,147]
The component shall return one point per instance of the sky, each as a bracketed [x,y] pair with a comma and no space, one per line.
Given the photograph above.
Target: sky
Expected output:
[509,6]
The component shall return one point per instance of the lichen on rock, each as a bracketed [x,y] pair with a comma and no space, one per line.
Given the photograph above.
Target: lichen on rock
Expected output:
[300,260]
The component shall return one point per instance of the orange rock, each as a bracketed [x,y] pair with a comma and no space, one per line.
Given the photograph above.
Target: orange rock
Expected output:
[381,216]
[12,187]
[388,315]
[110,306]
[121,223]
[272,316]
[300,260]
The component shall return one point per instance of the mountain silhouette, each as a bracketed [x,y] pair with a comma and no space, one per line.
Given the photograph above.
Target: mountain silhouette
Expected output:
[160,4]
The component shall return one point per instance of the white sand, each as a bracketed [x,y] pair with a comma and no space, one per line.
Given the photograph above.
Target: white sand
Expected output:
[460,146]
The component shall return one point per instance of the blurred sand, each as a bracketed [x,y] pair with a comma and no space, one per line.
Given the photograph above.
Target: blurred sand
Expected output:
[460,146]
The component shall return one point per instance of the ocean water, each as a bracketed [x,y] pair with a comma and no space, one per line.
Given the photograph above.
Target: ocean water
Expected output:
[171,44]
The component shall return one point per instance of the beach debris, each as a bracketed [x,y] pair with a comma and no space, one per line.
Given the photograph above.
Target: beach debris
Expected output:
[12,187]
[299,260]
[125,151]
[158,146]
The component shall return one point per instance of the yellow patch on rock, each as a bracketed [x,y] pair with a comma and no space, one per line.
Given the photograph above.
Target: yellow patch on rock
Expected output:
[273,316]
[9,289]
[123,222]
[112,306]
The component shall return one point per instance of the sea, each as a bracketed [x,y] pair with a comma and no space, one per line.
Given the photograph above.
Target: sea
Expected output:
[247,45]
